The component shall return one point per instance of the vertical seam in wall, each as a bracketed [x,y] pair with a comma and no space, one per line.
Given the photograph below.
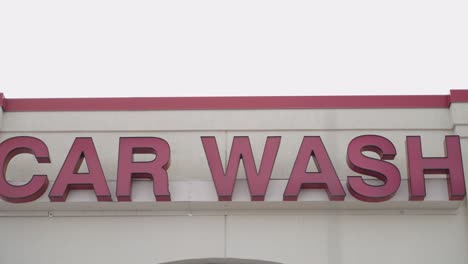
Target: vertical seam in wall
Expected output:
[225,213]
[334,237]
[2,112]
[225,235]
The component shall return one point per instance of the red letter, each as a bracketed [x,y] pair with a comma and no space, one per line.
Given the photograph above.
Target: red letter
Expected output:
[70,179]
[241,149]
[38,184]
[155,170]
[452,165]
[326,178]
[384,171]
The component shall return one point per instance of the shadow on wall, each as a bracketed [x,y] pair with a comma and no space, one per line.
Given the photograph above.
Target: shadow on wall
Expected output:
[220,261]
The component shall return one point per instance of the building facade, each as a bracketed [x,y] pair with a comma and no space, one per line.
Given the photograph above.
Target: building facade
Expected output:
[293,180]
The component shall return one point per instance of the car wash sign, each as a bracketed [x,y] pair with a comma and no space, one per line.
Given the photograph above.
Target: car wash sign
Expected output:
[224,178]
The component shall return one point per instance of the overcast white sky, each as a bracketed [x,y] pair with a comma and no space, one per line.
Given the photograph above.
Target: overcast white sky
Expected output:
[196,48]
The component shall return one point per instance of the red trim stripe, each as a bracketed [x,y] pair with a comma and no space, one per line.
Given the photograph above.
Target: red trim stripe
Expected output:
[459,96]
[227,103]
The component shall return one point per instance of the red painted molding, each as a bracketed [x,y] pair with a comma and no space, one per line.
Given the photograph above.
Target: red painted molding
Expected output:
[227,103]
[459,96]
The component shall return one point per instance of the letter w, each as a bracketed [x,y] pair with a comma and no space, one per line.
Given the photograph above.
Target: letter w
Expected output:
[241,149]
